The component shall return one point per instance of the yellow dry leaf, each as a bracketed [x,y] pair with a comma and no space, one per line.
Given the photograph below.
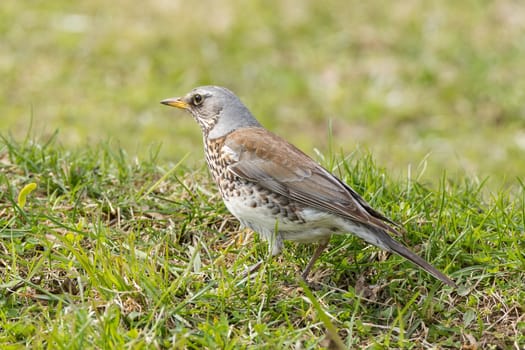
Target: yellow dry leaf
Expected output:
[30,187]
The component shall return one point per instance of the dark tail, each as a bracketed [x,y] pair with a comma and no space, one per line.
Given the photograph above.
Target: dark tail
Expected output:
[390,244]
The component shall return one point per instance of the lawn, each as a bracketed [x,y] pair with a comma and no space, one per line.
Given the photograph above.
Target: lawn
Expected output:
[125,243]
[114,252]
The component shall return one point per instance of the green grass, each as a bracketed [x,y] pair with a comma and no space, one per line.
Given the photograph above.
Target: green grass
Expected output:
[112,251]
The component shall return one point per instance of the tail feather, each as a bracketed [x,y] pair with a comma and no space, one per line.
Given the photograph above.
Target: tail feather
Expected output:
[392,245]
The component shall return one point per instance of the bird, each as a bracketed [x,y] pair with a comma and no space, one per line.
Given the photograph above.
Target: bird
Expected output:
[277,190]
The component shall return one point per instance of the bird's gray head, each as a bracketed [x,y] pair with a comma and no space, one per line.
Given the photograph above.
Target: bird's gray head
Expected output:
[217,110]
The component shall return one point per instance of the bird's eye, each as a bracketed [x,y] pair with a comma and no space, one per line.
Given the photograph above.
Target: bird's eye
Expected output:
[197,99]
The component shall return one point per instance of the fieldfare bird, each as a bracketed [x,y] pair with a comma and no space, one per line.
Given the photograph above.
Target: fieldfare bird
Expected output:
[277,190]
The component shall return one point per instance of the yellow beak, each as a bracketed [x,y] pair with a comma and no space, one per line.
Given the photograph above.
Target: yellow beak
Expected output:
[175,102]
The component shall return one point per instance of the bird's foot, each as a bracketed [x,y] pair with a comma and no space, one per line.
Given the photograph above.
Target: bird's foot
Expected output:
[251,269]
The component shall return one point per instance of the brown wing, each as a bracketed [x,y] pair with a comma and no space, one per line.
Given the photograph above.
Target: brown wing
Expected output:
[275,164]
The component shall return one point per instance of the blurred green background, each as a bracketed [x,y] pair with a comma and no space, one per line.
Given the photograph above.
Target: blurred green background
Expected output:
[434,82]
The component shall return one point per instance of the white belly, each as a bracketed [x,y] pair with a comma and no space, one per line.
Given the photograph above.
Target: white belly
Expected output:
[312,226]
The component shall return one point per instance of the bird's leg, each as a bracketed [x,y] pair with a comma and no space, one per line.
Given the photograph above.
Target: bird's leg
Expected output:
[252,269]
[275,246]
[322,245]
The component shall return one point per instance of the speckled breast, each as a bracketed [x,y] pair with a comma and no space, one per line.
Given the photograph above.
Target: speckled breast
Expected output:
[244,198]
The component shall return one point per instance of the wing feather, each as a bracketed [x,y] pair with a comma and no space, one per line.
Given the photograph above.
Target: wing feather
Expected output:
[282,168]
